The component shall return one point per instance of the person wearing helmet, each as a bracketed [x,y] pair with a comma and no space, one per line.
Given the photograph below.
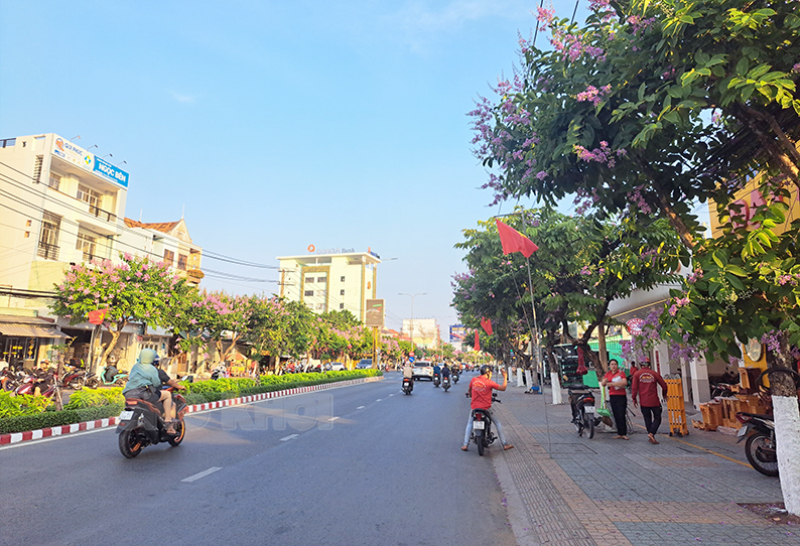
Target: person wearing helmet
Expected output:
[144,383]
[480,391]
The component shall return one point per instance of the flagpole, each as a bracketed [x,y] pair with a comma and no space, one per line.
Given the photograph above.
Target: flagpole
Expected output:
[536,330]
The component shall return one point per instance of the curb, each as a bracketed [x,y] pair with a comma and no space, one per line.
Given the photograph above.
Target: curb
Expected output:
[17,437]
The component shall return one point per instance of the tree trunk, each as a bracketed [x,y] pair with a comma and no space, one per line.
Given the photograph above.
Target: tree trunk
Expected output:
[787,425]
[111,345]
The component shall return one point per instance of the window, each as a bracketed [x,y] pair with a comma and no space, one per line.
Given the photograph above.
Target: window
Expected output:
[182,262]
[308,293]
[88,195]
[86,244]
[341,292]
[48,238]
[169,257]
[309,280]
[342,278]
[320,306]
[55,181]
[320,279]
[341,306]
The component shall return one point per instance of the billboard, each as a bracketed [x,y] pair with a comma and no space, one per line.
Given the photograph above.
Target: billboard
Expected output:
[458,332]
[375,313]
[79,157]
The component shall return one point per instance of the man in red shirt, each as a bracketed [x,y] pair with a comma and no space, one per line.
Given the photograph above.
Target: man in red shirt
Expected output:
[480,390]
[645,386]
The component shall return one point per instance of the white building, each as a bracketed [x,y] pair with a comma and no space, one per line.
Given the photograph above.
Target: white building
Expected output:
[330,280]
[61,205]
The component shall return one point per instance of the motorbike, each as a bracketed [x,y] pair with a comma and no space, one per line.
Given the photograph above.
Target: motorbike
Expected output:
[108,376]
[75,379]
[10,379]
[455,377]
[446,383]
[760,448]
[585,416]
[408,385]
[44,381]
[437,380]
[482,433]
[141,425]
[219,372]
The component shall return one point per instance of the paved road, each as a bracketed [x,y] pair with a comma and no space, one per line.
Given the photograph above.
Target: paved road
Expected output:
[356,465]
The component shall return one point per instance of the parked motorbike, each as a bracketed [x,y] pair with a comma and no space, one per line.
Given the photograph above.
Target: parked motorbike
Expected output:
[108,376]
[585,417]
[141,425]
[437,380]
[446,383]
[74,378]
[44,381]
[10,379]
[760,448]
[408,385]
[218,372]
[482,433]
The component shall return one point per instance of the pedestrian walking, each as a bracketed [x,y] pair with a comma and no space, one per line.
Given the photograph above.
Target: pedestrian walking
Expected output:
[645,385]
[616,382]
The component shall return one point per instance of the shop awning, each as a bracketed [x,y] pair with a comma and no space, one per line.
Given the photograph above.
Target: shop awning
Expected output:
[31,330]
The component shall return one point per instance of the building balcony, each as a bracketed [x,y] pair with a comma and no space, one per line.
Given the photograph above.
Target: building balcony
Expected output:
[48,252]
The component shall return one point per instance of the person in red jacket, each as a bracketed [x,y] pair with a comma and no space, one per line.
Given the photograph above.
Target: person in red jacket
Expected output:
[645,386]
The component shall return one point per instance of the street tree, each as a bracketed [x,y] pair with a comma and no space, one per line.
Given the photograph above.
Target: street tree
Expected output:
[136,290]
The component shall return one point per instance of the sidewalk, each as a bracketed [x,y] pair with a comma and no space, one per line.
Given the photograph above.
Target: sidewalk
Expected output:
[604,492]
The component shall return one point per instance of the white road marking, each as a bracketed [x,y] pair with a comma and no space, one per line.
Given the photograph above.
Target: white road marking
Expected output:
[333,419]
[202,474]
[361,407]
[290,437]
[378,400]
[391,395]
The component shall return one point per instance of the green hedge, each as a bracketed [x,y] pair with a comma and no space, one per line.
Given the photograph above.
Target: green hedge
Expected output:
[222,389]
[92,404]
[58,418]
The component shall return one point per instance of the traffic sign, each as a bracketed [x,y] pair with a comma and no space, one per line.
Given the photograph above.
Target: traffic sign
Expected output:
[411,359]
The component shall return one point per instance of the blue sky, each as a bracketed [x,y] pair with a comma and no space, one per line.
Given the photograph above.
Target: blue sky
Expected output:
[277,125]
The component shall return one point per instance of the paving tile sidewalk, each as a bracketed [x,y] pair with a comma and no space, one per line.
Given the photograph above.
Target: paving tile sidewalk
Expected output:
[604,492]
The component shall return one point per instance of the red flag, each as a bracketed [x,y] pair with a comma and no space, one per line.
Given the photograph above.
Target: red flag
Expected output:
[477,341]
[97,317]
[514,241]
[487,325]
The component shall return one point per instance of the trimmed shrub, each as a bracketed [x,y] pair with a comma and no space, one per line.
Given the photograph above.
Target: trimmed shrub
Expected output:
[58,418]
[23,404]
[87,398]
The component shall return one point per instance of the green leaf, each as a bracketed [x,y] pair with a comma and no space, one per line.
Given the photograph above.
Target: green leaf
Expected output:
[719,258]
[759,71]
[742,66]
[736,270]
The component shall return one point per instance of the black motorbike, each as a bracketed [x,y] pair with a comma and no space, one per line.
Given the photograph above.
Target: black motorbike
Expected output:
[437,380]
[584,412]
[141,425]
[446,383]
[482,433]
[760,449]
[408,385]
[455,377]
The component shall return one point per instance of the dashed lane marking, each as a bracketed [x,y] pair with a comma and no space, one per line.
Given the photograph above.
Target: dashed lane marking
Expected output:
[333,419]
[290,437]
[361,407]
[202,474]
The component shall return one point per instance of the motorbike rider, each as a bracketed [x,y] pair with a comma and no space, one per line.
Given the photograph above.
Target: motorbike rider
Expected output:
[445,371]
[408,371]
[437,370]
[480,391]
[144,383]
[169,407]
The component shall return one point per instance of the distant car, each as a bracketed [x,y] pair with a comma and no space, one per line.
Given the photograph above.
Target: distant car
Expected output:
[364,364]
[423,369]
[335,366]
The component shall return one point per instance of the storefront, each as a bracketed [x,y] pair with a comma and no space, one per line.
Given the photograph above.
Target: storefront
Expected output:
[26,341]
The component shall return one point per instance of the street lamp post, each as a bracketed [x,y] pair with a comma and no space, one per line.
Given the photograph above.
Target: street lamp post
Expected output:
[412,296]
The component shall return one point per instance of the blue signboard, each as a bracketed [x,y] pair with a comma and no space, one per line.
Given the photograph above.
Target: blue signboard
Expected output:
[107,170]
[411,359]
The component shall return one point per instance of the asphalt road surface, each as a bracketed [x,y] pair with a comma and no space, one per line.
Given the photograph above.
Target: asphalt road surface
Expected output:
[355,465]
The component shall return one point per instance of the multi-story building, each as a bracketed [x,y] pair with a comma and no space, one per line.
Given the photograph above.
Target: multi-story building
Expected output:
[61,205]
[330,280]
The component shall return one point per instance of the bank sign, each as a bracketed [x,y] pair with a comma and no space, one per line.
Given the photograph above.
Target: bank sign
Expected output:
[79,157]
